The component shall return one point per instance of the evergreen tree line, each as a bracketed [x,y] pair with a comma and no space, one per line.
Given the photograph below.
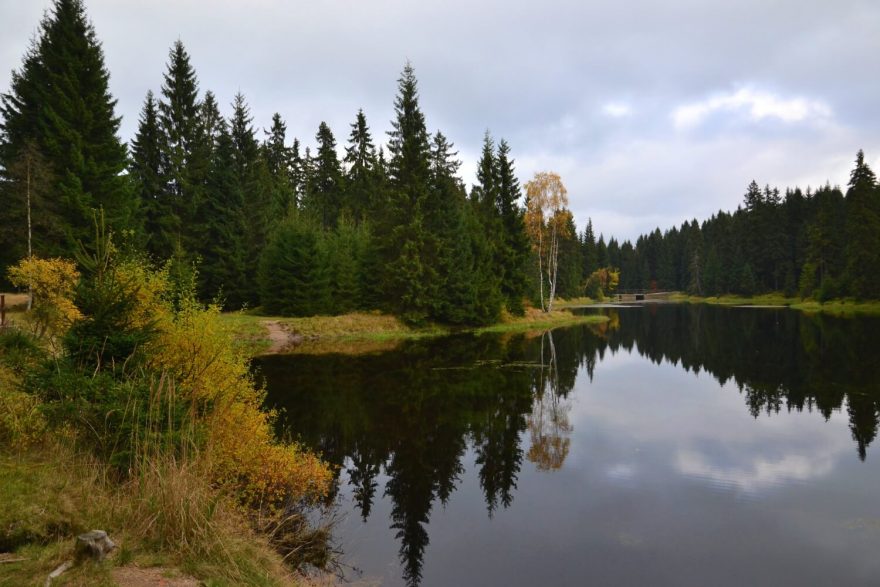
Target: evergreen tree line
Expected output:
[265,221]
[822,244]
[301,231]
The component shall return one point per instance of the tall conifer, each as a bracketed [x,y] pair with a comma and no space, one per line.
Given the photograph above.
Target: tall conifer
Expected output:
[60,102]
[516,247]
[863,231]
[146,168]
[405,245]
[360,159]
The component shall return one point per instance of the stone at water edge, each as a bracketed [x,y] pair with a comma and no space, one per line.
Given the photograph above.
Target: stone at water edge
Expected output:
[95,545]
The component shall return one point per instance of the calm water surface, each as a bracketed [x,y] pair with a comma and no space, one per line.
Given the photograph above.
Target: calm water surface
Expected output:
[673,445]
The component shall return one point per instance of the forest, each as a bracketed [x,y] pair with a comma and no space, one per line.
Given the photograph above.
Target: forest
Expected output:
[257,219]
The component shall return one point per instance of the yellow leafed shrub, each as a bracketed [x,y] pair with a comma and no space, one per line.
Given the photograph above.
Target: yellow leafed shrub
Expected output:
[196,348]
[53,282]
[148,286]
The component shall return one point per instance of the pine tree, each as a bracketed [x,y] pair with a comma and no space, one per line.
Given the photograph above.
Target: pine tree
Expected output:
[590,251]
[297,175]
[324,198]
[278,163]
[485,198]
[293,276]
[60,101]
[405,247]
[826,240]
[252,179]
[360,159]
[146,169]
[863,231]
[516,249]
[184,174]
[220,230]
[458,295]
[485,193]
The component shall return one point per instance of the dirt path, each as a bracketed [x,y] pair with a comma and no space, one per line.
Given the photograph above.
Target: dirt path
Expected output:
[280,337]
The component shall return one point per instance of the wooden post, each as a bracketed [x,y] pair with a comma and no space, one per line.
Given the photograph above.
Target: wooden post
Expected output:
[2,310]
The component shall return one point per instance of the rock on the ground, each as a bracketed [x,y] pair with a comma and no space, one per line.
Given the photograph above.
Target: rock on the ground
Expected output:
[94,545]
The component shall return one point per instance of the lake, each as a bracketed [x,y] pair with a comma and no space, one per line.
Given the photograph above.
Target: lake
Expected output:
[671,445]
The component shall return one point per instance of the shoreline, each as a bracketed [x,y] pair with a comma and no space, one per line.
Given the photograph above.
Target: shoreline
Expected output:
[359,333]
[836,307]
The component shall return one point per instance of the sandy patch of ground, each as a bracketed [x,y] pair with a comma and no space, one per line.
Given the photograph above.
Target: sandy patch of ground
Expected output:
[281,339]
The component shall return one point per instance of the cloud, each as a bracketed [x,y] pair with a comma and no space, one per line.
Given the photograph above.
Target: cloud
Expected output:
[617,110]
[563,81]
[758,474]
[754,104]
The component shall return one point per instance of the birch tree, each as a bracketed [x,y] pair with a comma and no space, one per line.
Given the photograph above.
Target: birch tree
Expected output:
[546,222]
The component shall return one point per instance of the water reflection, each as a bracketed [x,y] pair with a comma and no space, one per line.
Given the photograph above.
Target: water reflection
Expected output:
[548,421]
[405,422]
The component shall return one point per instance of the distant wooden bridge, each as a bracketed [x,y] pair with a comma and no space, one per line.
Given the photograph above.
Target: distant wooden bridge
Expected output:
[641,295]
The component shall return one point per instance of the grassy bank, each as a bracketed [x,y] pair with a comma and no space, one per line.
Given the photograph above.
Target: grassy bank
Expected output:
[834,307]
[168,523]
[126,407]
[359,333]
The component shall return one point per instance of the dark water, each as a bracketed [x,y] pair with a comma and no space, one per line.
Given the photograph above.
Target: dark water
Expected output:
[674,445]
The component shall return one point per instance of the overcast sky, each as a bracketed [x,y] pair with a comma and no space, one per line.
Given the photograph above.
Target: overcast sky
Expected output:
[652,112]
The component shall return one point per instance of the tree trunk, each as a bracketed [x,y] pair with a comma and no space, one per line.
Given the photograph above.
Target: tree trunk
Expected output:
[30,301]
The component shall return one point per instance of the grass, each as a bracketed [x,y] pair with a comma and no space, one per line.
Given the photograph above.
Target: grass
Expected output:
[574,302]
[168,517]
[165,513]
[770,299]
[844,307]
[361,333]
[538,320]
[839,307]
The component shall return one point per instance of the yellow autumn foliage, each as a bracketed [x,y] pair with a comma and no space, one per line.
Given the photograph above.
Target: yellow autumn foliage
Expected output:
[148,286]
[52,282]
[195,347]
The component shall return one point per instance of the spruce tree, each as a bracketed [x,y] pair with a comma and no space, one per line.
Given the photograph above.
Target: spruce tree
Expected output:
[60,101]
[588,246]
[220,230]
[360,160]
[485,196]
[252,180]
[293,276]
[297,175]
[457,300]
[405,244]
[324,197]
[146,169]
[485,193]
[863,231]
[278,163]
[516,247]
[184,174]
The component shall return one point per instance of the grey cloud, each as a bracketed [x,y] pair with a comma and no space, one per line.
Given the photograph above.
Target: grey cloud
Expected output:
[538,74]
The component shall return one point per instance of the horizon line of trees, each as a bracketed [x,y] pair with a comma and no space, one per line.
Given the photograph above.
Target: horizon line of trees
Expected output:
[822,244]
[265,222]
[391,227]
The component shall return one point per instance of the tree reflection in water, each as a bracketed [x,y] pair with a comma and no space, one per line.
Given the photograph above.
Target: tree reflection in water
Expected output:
[548,422]
[413,414]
